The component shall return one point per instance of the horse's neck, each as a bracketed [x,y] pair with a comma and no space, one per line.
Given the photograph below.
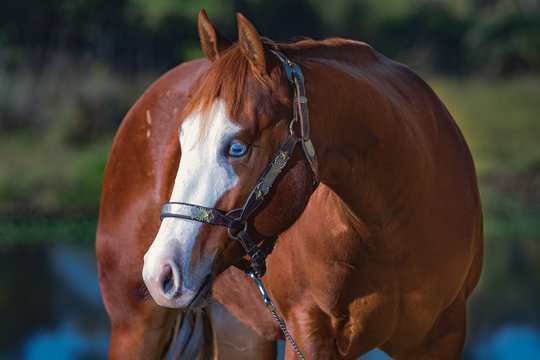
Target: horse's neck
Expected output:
[360,127]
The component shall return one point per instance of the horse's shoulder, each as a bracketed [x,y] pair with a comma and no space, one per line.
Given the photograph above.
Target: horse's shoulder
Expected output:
[341,214]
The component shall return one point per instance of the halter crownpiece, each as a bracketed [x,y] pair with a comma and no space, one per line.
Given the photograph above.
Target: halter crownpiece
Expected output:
[295,76]
[236,220]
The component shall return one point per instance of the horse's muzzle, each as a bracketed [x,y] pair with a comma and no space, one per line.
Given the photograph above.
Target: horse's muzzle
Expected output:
[165,283]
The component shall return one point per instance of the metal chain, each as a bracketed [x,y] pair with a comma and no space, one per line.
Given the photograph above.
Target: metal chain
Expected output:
[272,310]
[284,329]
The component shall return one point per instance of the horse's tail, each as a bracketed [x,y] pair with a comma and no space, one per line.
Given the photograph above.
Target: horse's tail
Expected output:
[194,338]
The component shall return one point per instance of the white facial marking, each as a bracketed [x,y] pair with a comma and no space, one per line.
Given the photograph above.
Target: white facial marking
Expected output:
[204,175]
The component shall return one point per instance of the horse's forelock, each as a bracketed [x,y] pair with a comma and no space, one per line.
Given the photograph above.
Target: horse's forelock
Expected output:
[225,80]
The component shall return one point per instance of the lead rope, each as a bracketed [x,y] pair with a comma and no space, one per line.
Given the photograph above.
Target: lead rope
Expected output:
[272,310]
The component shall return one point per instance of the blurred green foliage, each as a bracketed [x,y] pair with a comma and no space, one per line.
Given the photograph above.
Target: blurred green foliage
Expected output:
[91,46]
[495,37]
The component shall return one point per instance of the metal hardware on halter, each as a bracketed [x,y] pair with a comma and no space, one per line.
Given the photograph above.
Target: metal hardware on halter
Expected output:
[259,284]
[291,68]
[291,125]
[235,237]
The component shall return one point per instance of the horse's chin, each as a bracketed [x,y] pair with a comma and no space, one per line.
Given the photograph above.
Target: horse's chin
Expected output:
[203,295]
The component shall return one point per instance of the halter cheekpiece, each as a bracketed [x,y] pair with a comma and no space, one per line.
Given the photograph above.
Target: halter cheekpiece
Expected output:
[236,221]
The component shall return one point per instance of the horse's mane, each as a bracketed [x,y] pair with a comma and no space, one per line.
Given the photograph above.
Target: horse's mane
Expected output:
[227,76]
[336,49]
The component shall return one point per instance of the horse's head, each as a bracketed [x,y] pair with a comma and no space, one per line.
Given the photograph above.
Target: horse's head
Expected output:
[232,129]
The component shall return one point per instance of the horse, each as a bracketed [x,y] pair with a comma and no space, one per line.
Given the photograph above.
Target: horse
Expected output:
[368,235]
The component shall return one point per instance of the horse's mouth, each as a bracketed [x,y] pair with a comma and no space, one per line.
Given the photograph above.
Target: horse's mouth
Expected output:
[202,297]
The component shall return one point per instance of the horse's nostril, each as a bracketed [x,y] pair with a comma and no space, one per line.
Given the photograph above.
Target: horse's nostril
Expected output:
[169,282]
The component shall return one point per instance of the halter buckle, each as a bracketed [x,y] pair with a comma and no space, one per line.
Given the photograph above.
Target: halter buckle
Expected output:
[259,262]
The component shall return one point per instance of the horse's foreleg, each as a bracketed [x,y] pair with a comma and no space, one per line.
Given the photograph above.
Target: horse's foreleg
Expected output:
[446,338]
[145,333]
[153,332]
[312,331]
[140,328]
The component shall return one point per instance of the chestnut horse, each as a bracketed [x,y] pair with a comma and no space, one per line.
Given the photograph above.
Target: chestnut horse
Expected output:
[383,253]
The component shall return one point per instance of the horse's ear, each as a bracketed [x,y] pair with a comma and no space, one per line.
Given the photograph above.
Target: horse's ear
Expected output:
[251,44]
[213,42]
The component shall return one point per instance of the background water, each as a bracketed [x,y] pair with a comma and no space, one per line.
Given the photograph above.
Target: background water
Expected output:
[51,304]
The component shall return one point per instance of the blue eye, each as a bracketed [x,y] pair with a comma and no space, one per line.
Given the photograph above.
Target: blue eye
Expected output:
[237,150]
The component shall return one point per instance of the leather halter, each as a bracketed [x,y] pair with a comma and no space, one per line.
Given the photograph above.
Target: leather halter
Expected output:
[236,220]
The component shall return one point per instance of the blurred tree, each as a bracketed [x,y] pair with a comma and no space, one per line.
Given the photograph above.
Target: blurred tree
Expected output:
[499,36]
[89,38]
[506,43]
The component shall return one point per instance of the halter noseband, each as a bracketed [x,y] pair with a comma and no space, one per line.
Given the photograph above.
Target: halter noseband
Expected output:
[236,220]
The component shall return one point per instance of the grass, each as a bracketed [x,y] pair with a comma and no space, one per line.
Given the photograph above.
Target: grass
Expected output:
[501,122]
[500,119]
[56,129]
[35,229]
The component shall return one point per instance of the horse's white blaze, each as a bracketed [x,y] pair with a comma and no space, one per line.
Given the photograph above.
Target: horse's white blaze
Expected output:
[204,175]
